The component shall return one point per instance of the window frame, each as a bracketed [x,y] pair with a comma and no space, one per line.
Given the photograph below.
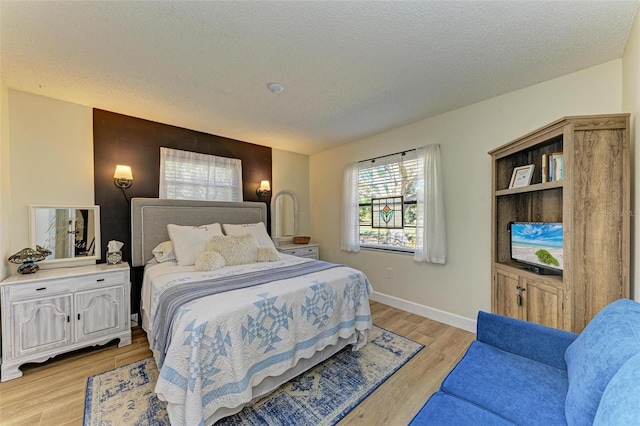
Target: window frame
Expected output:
[407,203]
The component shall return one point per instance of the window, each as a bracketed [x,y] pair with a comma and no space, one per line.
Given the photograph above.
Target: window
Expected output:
[387,202]
[189,175]
[396,203]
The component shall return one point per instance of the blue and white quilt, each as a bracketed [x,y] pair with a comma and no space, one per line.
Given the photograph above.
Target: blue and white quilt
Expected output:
[213,350]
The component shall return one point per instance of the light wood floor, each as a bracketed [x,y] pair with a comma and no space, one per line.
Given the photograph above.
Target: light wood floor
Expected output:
[53,393]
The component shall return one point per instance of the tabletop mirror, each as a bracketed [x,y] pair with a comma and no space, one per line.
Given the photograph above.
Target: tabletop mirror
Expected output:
[70,233]
[285,220]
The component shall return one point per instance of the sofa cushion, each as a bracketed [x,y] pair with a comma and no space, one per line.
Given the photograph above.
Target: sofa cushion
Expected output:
[607,342]
[620,403]
[527,339]
[445,409]
[507,384]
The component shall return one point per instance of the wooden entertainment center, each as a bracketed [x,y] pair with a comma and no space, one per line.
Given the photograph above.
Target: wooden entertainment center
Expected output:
[592,201]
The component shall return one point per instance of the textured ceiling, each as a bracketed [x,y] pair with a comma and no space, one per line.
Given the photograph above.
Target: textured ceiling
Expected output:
[350,69]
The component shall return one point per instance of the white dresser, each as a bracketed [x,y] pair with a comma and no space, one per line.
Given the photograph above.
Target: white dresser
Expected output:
[59,310]
[301,250]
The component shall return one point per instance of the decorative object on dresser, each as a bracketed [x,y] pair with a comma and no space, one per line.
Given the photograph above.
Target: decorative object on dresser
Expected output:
[310,251]
[27,258]
[114,257]
[60,310]
[583,186]
[114,252]
[299,239]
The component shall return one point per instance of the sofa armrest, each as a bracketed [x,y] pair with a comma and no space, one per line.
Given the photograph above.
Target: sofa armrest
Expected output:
[533,341]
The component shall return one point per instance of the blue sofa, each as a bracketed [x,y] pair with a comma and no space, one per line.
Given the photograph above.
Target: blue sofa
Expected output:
[522,373]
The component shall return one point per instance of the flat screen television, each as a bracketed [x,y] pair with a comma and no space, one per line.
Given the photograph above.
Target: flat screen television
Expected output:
[538,244]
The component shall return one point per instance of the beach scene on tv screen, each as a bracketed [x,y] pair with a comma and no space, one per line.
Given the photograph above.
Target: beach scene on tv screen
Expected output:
[538,244]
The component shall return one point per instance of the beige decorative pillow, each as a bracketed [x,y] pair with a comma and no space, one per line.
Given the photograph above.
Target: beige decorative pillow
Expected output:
[189,242]
[268,254]
[164,252]
[209,261]
[236,249]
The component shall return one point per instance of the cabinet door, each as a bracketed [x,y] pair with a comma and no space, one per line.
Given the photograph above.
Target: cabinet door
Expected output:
[506,294]
[41,325]
[543,304]
[100,312]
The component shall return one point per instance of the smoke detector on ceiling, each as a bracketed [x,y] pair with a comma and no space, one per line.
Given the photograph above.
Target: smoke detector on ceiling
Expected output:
[276,88]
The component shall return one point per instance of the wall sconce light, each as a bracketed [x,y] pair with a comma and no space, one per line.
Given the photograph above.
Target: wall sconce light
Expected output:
[264,189]
[123,178]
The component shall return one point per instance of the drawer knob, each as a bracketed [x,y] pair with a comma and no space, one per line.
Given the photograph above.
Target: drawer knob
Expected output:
[41,288]
[100,279]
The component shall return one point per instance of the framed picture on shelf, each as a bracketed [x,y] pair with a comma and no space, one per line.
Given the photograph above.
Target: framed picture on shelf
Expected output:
[521,176]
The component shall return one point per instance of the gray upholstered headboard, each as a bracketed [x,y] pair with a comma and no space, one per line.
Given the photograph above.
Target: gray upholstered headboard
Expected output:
[150,217]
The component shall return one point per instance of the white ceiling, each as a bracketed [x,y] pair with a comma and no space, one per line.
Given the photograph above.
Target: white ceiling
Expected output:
[350,68]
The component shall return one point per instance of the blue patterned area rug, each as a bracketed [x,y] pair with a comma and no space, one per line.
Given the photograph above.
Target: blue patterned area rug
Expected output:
[321,396]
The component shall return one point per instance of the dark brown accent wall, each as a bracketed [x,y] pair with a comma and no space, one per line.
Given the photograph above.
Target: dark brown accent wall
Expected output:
[121,139]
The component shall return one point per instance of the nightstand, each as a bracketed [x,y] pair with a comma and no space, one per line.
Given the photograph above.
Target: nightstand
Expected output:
[59,310]
[311,251]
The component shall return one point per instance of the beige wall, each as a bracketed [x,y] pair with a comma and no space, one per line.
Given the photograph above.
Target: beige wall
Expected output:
[290,171]
[462,286]
[631,103]
[5,194]
[51,144]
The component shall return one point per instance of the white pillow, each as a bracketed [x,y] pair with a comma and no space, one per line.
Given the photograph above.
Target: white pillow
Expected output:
[189,242]
[164,252]
[257,229]
[236,249]
[209,261]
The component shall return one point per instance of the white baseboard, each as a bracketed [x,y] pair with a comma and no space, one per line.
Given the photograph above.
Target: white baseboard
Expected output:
[448,318]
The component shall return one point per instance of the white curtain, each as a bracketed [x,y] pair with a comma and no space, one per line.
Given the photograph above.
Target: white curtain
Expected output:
[350,209]
[431,238]
[190,175]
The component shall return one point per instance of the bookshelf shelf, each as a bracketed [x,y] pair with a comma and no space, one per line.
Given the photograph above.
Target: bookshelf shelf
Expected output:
[531,188]
[596,182]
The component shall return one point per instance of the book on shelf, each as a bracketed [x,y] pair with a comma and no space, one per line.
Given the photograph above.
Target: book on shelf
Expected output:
[558,165]
[552,167]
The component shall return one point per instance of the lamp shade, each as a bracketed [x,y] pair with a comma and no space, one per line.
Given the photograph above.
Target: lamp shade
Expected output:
[265,186]
[123,172]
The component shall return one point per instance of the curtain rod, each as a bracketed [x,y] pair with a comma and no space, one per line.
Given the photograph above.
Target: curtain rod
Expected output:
[373,160]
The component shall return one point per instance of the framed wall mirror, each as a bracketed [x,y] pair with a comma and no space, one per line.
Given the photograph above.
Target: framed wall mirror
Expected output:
[70,233]
[285,222]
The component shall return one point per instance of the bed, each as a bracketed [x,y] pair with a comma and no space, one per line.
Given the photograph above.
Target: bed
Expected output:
[224,337]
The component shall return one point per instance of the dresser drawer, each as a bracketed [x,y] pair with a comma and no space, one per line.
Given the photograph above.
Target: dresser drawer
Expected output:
[45,288]
[99,280]
[310,252]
